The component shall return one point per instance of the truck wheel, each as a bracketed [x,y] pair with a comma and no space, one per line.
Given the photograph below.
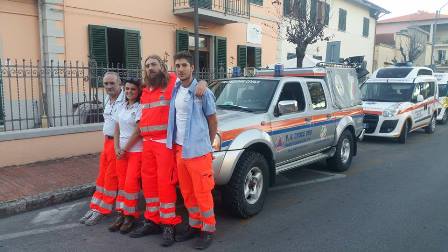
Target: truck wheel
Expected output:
[404,133]
[245,193]
[342,160]
[431,126]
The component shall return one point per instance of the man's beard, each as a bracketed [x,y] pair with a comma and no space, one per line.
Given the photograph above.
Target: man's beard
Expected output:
[157,80]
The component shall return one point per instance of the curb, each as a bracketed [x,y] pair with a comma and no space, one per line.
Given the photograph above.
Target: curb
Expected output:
[12,207]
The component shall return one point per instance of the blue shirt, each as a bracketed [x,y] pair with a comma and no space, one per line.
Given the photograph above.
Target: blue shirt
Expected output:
[197,137]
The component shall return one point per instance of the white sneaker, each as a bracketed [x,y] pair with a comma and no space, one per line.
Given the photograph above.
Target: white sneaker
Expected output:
[94,219]
[86,216]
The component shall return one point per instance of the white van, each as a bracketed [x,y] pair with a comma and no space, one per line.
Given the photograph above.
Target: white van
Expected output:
[399,100]
[442,113]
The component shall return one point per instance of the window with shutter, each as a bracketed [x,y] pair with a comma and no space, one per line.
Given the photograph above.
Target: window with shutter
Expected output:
[182,38]
[257,57]
[365,29]
[2,100]
[286,7]
[327,14]
[342,19]
[313,11]
[302,8]
[259,2]
[242,56]
[132,52]
[98,55]
[220,56]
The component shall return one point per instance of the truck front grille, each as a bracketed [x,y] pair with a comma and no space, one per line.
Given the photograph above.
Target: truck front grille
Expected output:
[370,123]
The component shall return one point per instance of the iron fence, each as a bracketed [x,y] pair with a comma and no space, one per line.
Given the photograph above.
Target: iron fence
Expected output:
[52,94]
[239,8]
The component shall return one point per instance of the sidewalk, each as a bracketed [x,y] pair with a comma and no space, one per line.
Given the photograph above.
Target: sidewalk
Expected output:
[28,187]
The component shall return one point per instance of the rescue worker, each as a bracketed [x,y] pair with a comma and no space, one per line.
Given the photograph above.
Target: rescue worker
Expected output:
[128,150]
[192,127]
[158,173]
[107,180]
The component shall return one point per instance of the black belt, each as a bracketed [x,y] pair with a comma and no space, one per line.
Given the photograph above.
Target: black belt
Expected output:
[109,137]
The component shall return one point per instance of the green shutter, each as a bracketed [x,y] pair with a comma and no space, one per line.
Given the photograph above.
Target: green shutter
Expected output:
[2,99]
[205,4]
[365,29]
[302,8]
[182,38]
[132,52]
[286,7]
[313,11]
[97,53]
[342,19]
[242,56]
[257,57]
[327,14]
[220,57]
[259,2]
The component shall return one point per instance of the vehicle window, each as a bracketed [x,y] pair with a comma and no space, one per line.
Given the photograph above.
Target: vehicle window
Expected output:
[443,90]
[317,93]
[394,72]
[432,89]
[427,90]
[424,72]
[387,92]
[293,91]
[417,90]
[250,95]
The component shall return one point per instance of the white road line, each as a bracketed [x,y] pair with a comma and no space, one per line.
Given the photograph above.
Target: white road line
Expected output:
[38,231]
[313,181]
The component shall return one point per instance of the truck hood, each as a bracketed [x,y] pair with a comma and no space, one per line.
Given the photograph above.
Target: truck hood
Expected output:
[381,106]
[230,120]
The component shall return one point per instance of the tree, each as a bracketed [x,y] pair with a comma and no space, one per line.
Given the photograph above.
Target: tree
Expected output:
[305,22]
[413,44]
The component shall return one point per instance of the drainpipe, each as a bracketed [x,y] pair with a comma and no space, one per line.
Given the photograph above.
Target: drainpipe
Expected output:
[42,87]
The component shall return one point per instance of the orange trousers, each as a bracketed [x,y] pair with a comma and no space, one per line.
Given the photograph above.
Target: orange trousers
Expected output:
[128,169]
[159,179]
[107,180]
[196,183]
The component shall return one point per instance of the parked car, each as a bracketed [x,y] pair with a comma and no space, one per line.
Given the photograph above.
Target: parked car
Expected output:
[277,121]
[399,100]
[442,113]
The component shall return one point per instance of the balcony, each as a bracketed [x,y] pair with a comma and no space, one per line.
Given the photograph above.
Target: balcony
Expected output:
[216,11]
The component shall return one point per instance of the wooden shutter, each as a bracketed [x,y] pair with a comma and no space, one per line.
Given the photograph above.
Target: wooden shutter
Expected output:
[365,27]
[327,14]
[258,57]
[98,55]
[132,52]
[2,98]
[342,19]
[220,57]
[242,56]
[182,38]
[313,11]
[286,7]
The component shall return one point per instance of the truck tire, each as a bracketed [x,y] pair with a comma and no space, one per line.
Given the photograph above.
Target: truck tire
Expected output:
[246,191]
[431,126]
[404,133]
[342,159]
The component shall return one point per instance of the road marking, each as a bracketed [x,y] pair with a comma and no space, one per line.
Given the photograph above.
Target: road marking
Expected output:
[313,181]
[54,216]
[38,231]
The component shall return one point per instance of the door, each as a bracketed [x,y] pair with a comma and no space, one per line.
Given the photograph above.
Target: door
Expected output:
[420,112]
[333,51]
[323,123]
[291,132]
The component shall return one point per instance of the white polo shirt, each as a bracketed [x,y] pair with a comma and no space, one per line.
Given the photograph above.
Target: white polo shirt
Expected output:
[127,118]
[109,109]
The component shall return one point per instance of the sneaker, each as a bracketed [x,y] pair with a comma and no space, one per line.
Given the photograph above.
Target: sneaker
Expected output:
[128,224]
[117,223]
[204,241]
[188,234]
[148,228]
[94,219]
[86,216]
[167,235]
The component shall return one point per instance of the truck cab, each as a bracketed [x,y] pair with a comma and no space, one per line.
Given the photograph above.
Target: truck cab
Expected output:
[442,105]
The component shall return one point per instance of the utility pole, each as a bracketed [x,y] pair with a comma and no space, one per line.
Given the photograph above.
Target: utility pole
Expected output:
[196,38]
[434,31]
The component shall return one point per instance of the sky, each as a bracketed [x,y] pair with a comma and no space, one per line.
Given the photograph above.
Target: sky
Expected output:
[404,7]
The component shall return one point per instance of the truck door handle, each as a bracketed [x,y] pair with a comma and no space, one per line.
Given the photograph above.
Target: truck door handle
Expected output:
[307,119]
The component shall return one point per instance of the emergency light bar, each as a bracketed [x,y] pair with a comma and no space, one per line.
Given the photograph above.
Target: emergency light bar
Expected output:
[279,71]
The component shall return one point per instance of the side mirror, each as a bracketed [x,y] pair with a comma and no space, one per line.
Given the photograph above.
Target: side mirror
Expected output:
[287,107]
[420,98]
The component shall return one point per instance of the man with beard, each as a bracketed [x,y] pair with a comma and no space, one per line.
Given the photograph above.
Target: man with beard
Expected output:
[107,181]
[158,173]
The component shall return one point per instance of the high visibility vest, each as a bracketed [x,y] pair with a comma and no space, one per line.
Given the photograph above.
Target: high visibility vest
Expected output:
[155,109]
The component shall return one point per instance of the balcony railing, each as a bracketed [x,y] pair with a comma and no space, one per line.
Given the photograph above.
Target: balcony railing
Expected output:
[218,11]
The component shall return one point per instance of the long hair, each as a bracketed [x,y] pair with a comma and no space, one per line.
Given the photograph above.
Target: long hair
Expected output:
[138,83]
[161,80]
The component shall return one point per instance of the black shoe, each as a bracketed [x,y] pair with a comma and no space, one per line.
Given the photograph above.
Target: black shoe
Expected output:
[167,235]
[188,234]
[148,228]
[204,241]
[127,225]
[115,226]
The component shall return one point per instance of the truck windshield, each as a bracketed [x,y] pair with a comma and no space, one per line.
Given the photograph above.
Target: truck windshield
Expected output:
[387,92]
[244,94]
[443,90]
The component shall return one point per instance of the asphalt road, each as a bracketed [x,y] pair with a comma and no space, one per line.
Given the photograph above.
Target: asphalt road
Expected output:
[394,198]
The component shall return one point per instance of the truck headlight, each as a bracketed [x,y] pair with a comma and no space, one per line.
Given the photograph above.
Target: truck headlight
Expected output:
[217,143]
[389,113]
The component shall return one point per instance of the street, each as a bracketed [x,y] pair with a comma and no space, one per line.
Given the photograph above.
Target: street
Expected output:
[393,198]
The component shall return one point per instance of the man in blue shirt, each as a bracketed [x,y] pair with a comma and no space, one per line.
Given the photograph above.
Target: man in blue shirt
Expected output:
[192,126]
